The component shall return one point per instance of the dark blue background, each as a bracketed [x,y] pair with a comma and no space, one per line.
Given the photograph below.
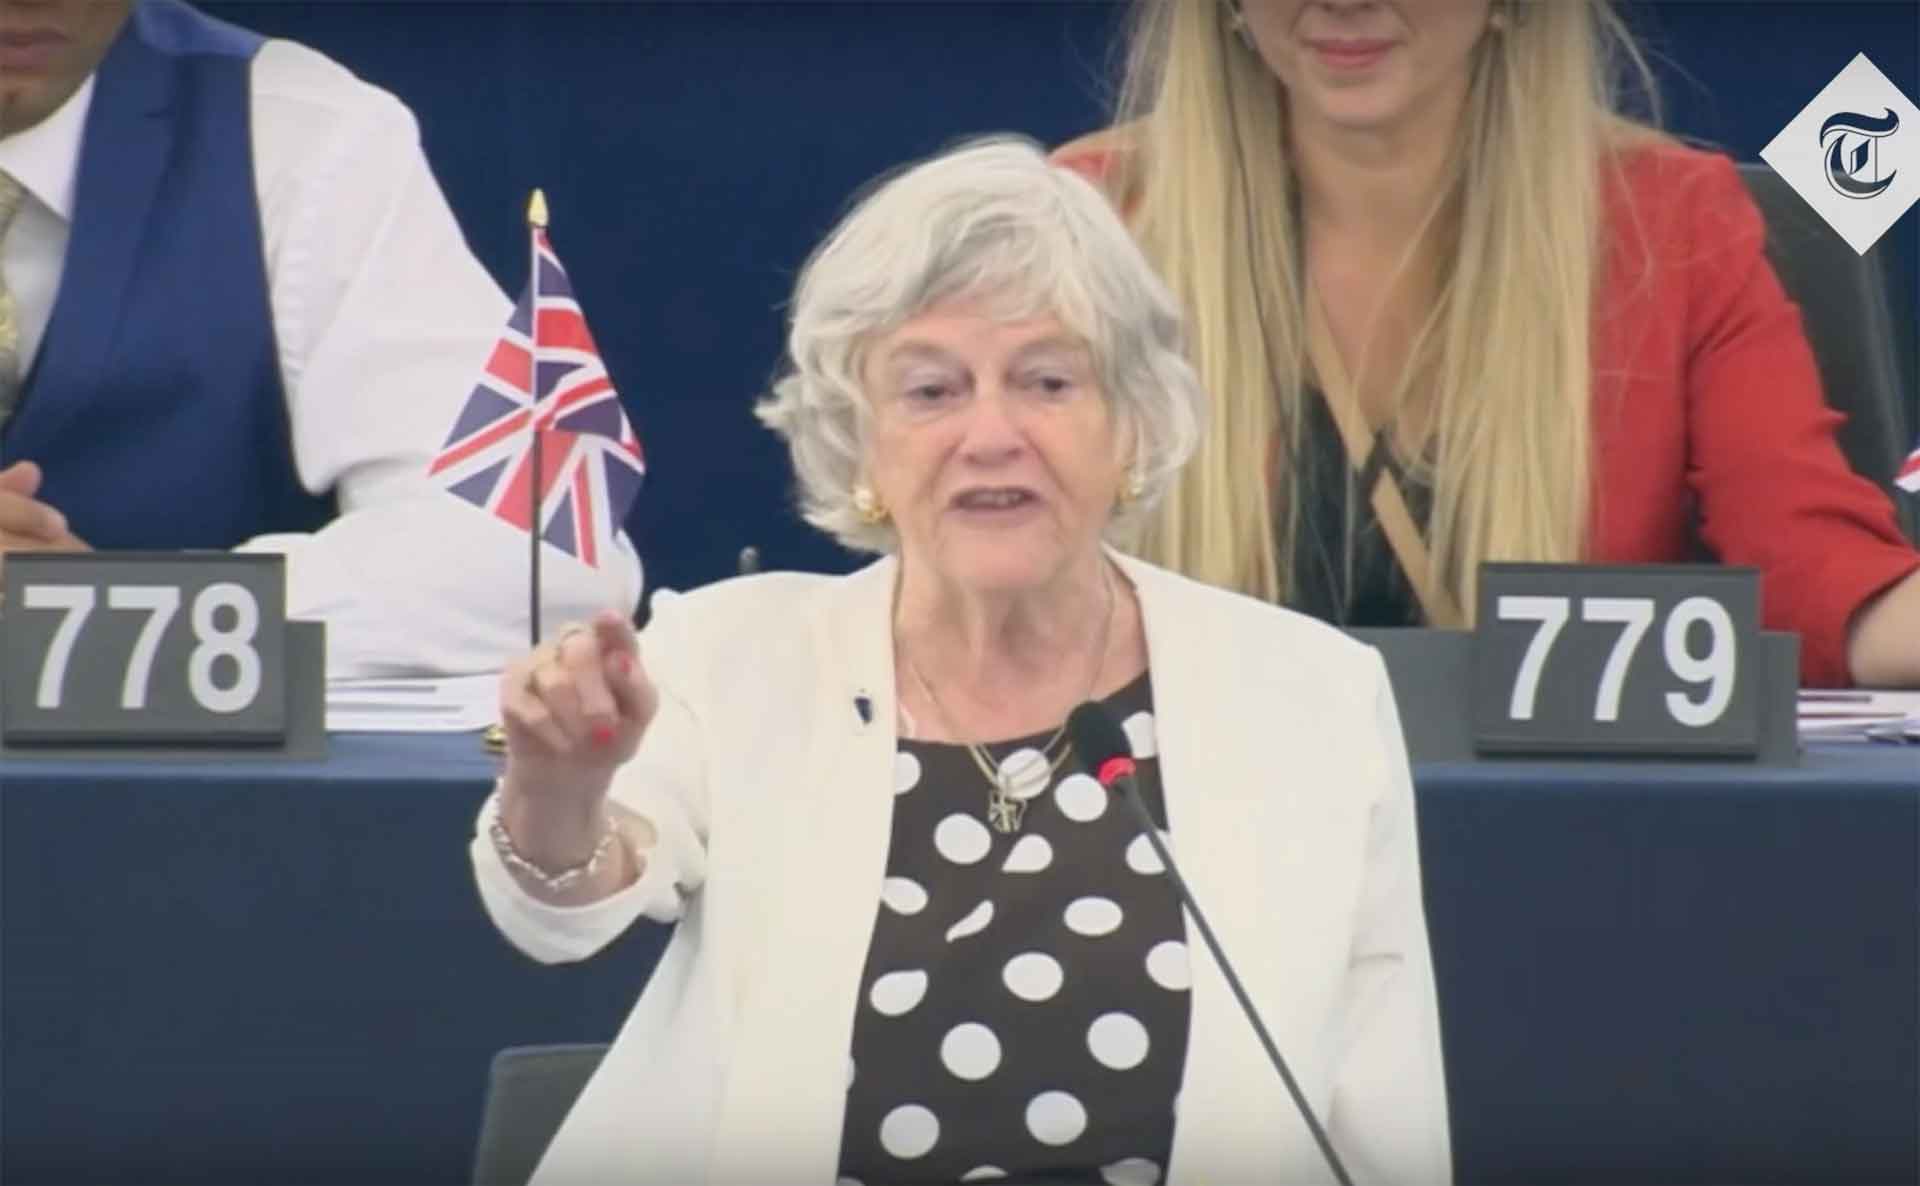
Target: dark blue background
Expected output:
[694,152]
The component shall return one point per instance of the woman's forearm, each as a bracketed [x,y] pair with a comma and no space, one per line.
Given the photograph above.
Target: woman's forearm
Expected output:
[1883,648]
[556,840]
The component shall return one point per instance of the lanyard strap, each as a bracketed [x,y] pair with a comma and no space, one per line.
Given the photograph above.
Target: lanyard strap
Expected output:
[1362,444]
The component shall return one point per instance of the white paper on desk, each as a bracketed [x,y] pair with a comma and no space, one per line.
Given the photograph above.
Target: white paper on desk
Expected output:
[456,704]
[1841,715]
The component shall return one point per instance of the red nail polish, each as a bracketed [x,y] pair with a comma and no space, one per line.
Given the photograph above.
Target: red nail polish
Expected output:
[602,735]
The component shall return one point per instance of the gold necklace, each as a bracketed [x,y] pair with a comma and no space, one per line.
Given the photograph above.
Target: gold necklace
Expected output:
[1005,806]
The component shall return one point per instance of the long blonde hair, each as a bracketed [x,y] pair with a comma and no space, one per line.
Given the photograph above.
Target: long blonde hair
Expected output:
[1505,348]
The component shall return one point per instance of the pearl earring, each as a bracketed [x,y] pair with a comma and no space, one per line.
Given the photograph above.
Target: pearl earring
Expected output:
[868,506]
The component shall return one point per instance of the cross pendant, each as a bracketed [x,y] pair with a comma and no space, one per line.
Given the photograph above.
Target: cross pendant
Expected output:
[1004,812]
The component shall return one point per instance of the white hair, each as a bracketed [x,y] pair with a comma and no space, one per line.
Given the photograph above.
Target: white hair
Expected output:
[992,219]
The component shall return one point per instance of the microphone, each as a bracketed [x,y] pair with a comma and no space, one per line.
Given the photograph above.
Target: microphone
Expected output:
[1103,745]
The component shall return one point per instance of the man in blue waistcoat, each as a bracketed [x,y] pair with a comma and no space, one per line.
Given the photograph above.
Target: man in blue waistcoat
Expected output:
[237,313]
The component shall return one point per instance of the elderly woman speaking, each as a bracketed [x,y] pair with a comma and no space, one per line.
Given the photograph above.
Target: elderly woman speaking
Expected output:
[916,941]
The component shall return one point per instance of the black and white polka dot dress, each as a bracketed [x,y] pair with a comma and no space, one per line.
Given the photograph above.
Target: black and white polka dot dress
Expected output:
[1023,1012]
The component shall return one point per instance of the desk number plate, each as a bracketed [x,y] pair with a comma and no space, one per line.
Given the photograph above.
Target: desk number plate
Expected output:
[1657,660]
[136,647]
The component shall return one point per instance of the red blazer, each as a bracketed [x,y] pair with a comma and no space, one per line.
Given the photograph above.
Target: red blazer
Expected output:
[1706,398]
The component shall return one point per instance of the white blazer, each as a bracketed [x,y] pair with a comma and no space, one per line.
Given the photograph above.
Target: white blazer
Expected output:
[1290,809]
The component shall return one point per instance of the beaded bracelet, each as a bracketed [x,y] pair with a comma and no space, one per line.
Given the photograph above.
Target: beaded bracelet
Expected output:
[553,883]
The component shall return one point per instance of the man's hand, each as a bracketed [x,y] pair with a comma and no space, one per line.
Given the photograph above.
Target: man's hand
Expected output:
[26,523]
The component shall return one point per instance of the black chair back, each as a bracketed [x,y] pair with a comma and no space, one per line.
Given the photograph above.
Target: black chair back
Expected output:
[530,1090]
[1862,336]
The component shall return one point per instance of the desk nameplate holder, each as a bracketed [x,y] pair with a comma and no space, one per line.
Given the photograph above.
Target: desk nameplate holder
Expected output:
[157,656]
[1430,667]
[1629,663]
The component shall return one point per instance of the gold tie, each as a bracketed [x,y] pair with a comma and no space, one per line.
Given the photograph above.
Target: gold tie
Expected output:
[10,362]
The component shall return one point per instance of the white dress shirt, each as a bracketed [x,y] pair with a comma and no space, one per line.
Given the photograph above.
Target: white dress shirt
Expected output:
[1289,803]
[384,319]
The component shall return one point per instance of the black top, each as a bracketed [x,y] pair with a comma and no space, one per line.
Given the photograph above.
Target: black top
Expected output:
[1349,577]
[1023,1011]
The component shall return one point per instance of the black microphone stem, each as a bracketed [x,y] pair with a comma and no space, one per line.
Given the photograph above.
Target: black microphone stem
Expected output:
[1131,793]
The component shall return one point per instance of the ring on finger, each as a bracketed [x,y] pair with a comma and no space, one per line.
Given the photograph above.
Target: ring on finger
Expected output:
[548,667]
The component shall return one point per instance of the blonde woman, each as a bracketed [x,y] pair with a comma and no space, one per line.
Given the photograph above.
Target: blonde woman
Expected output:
[1454,308]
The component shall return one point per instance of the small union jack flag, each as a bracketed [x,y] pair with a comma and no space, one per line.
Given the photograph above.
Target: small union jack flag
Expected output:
[1908,478]
[545,372]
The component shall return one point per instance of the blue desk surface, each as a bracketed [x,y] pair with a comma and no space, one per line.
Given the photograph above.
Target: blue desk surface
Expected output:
[278,972]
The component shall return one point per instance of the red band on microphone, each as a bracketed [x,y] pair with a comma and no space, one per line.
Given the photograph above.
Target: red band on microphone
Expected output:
[1114,769]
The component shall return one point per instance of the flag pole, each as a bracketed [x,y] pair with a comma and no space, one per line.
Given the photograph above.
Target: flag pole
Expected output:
[494,738]
[536,222]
